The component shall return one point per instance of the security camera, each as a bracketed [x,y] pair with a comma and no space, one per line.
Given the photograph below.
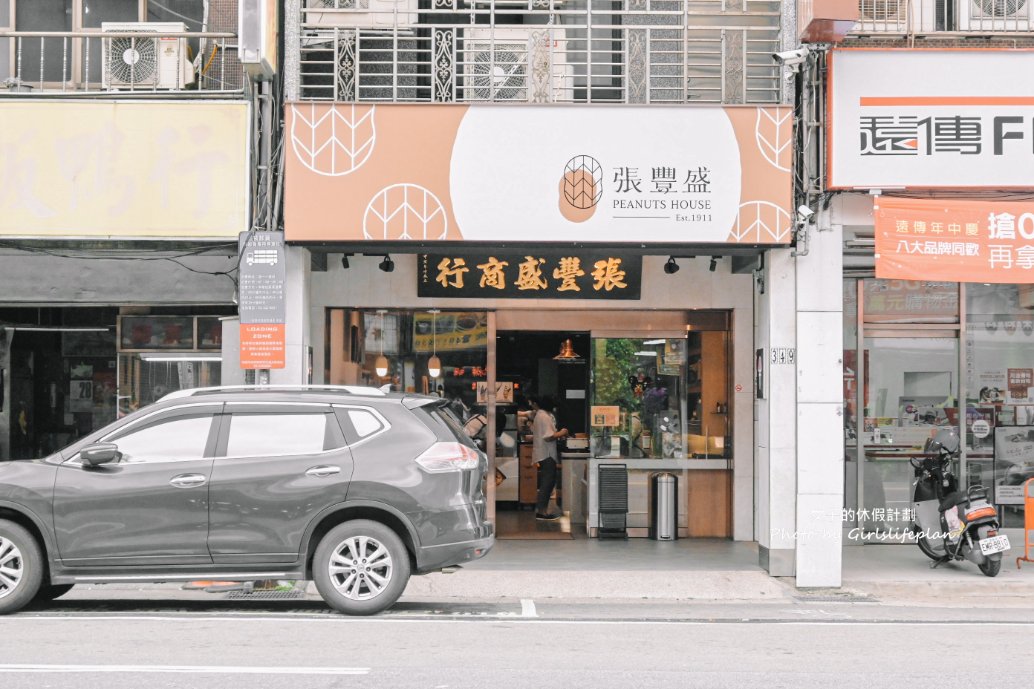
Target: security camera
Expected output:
[790,58]
[804,212]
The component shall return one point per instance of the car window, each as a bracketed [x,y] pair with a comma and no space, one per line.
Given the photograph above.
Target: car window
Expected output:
[364,422]
[254,435]
[178,439]
[447,421]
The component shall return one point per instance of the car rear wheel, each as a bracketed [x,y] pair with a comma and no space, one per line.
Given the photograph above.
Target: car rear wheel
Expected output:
[21,567]
[361,567]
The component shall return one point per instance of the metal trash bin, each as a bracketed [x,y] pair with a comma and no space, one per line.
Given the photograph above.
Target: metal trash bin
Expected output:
[664,507]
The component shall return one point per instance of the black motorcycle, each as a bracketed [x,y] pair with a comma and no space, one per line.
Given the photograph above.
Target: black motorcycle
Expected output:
[951,524]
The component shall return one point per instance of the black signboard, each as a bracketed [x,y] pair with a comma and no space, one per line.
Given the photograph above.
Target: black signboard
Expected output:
[262,276]
[531,274]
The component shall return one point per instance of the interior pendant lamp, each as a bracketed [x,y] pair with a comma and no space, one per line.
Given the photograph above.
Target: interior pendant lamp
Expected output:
[567,352]
[434,364]
[381,365]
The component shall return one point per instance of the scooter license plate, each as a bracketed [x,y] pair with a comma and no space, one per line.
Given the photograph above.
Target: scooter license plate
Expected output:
[995,544]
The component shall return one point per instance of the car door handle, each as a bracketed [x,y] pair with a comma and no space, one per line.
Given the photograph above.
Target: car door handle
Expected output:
[323,471]
[188,480]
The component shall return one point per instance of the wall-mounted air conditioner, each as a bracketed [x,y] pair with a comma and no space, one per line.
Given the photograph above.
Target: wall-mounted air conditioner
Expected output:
[527,64]
[900,16]
[366,14]
[140,62]
[995,15]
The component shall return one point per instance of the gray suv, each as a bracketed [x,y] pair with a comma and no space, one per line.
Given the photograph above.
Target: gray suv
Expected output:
[350,487]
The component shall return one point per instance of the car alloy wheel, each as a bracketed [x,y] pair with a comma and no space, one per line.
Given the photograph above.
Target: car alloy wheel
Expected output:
[12,567]
[361,568]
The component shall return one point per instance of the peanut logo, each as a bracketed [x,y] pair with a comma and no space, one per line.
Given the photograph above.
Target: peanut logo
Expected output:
[581,188]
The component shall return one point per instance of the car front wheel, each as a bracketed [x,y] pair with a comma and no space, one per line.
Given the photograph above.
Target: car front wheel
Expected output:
[361,567]
[21,567]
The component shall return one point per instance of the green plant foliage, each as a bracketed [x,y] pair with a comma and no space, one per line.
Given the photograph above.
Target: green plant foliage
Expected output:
[615,360]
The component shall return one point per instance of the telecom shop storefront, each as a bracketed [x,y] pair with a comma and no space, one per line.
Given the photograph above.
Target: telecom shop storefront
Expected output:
[616,264]
[938,304]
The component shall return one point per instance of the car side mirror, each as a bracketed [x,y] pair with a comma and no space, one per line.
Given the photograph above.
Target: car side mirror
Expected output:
[99,453]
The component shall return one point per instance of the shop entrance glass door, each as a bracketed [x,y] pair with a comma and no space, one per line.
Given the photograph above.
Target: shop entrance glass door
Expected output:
[911,390]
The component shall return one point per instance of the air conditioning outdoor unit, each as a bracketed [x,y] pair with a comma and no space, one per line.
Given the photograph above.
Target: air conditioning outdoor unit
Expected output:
[527,64]
[995,15]
[915,16]
[366,14]
[151,63]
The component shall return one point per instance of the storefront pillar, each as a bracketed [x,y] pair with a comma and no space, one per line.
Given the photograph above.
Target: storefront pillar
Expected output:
[296,295]
[820,413]
[775,415]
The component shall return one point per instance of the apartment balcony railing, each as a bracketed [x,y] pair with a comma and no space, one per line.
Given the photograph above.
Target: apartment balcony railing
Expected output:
[119,62]
[924,17]
[540,51]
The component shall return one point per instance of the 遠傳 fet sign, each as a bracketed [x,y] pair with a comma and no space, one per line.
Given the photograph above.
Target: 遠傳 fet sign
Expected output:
[930,119]
[958,241]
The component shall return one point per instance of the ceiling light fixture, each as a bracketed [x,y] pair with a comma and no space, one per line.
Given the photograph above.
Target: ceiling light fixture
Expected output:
[714,264]
[387,265]
[185,358]
[671,267]
[567,353]
[57,329]
[344,261]
[434,364]
[381,365]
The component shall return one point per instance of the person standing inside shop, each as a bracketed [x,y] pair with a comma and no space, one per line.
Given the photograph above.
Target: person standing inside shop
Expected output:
[544,454]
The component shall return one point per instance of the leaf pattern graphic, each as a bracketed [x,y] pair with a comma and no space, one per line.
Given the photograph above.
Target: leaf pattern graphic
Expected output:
[405,211]
[761,222]
[773,132]
[335,140]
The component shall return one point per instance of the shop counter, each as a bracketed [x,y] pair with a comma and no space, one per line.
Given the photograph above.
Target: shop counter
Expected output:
[705,494]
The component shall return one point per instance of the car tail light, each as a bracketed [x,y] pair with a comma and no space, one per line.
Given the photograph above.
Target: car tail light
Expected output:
[442,457]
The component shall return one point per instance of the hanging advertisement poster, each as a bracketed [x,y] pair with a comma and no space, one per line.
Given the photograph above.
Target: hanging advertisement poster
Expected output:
[954,240]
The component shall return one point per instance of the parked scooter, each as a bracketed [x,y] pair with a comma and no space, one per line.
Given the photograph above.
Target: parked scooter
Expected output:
[951,524]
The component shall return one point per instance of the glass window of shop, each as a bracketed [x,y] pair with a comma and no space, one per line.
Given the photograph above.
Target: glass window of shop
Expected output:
[999,370]
[907,362]
[661,397]
[394,347]
[158,354]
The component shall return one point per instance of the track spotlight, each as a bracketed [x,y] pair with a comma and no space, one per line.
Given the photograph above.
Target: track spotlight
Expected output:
[344,261]
[387,265]
[671,267]
[714,264]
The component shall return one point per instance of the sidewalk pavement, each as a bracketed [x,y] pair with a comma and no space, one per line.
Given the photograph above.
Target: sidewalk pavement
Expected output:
[715,571]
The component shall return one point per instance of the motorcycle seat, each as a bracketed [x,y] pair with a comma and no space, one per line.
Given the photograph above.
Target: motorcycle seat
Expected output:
[953,499]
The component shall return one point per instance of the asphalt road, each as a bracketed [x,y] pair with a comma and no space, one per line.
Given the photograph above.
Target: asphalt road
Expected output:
[137,644]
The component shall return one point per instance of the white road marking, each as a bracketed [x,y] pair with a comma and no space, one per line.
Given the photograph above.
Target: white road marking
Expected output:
[528,608]
[184,669]
[80,619]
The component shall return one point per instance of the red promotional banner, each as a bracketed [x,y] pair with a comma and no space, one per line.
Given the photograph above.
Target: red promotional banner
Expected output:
[956,241]
[263,346]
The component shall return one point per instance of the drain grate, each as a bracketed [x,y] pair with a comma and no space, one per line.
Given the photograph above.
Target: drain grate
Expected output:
[293,594]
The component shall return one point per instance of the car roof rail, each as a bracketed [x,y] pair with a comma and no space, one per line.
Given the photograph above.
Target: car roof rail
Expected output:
[350,389]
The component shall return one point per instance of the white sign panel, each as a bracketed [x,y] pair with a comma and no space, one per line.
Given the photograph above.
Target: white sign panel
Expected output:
[931,118]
